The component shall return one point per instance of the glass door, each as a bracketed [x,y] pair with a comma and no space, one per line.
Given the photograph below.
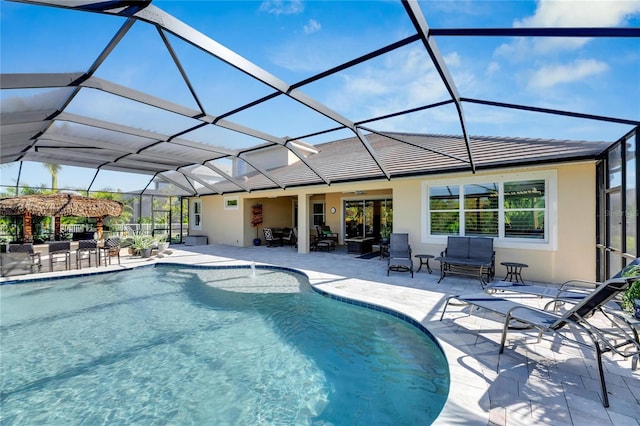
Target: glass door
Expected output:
[368,218]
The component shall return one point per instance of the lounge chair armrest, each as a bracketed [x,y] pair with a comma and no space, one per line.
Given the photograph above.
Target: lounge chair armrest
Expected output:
[512,315]
[580,284]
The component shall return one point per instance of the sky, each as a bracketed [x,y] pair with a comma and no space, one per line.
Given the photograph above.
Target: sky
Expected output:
[294,40]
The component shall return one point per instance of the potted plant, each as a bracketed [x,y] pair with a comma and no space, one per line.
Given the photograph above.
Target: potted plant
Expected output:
[163,243]
[631,297]
[142,244]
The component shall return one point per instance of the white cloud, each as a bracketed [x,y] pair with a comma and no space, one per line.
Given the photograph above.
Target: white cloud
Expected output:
[312,27]
[453,59]
[282,7]
[576,13]
[580,13]
[493,67]
[551,75]
[404,79]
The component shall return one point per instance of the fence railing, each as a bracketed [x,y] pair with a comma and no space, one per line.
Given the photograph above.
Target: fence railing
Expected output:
[118,230]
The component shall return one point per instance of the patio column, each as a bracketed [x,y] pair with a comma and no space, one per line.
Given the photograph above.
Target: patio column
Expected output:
[99,227]
[56,228]
[27,232]
[303,223]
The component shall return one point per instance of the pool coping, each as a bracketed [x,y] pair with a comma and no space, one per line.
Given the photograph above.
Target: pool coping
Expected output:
[468,398]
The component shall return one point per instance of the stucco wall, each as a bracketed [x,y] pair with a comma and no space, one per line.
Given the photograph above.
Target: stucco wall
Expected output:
[570,256]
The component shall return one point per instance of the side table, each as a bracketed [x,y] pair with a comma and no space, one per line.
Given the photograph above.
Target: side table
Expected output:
[424,260]
[514,271]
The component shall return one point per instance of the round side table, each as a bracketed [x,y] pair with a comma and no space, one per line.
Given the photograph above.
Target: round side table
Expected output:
[514,271]
[424,260]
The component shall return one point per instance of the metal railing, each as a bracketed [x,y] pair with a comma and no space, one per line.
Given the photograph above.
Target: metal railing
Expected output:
[117,230]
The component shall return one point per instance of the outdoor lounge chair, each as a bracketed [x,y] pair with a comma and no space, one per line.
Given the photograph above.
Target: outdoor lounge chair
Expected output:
[399,254]
[571,291]
[620,337]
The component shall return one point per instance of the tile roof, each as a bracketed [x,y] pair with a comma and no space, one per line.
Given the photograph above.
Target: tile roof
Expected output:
[410,154]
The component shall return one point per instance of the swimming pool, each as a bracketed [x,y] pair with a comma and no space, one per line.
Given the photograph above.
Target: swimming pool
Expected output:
[185,345]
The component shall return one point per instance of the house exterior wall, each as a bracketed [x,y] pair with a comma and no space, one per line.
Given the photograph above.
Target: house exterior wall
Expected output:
[571,198]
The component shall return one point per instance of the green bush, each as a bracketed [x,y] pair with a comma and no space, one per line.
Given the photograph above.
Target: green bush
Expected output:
[633,293]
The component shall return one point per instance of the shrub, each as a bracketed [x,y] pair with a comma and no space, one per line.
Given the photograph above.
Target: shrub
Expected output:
[633,293]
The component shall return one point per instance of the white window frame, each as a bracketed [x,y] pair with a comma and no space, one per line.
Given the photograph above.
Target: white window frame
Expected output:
[196,212]
[550,241]
[314,214]
[231,203]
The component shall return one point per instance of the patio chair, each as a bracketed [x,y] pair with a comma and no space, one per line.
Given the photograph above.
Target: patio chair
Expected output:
[87,249]
[109,250]
[36,260]
[620,337]
[325,233]
[399,254]
[16,264]
[59,251]
[270,238]
[290,237]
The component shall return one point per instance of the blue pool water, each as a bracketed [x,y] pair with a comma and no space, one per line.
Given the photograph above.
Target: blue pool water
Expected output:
[195,346]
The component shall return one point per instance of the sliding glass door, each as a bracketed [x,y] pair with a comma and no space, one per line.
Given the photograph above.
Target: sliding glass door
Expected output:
[368,218]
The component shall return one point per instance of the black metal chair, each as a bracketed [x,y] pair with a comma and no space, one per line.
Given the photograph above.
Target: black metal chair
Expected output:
[36,261]
[87,249]
[271,239]
[290,237]
[110,249]
[399,254]
[60,251]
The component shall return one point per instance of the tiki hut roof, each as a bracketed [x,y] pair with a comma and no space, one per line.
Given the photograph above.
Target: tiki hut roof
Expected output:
[59,205]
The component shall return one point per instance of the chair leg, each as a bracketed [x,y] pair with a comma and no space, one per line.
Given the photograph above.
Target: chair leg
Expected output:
[603,385]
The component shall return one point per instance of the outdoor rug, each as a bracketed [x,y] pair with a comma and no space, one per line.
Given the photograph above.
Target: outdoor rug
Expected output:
[370,255]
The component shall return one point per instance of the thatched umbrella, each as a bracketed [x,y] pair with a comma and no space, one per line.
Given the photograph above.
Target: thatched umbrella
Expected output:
[58,205]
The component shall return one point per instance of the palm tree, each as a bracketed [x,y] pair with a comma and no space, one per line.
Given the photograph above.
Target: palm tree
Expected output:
[53,169]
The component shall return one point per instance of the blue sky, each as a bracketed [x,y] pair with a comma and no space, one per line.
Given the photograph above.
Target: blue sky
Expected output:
[294,40]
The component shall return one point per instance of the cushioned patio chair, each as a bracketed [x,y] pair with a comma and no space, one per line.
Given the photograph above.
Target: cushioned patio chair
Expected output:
[290,237]
[399,259]
[620,337]
[270,238]
[325,233]
[36,260]
[319,241]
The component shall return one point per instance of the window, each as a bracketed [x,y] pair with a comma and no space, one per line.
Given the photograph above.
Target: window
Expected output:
[196,216]
[444,206]
[512,208]
[318,214]
[231,203]
[481,209]
[524,209]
